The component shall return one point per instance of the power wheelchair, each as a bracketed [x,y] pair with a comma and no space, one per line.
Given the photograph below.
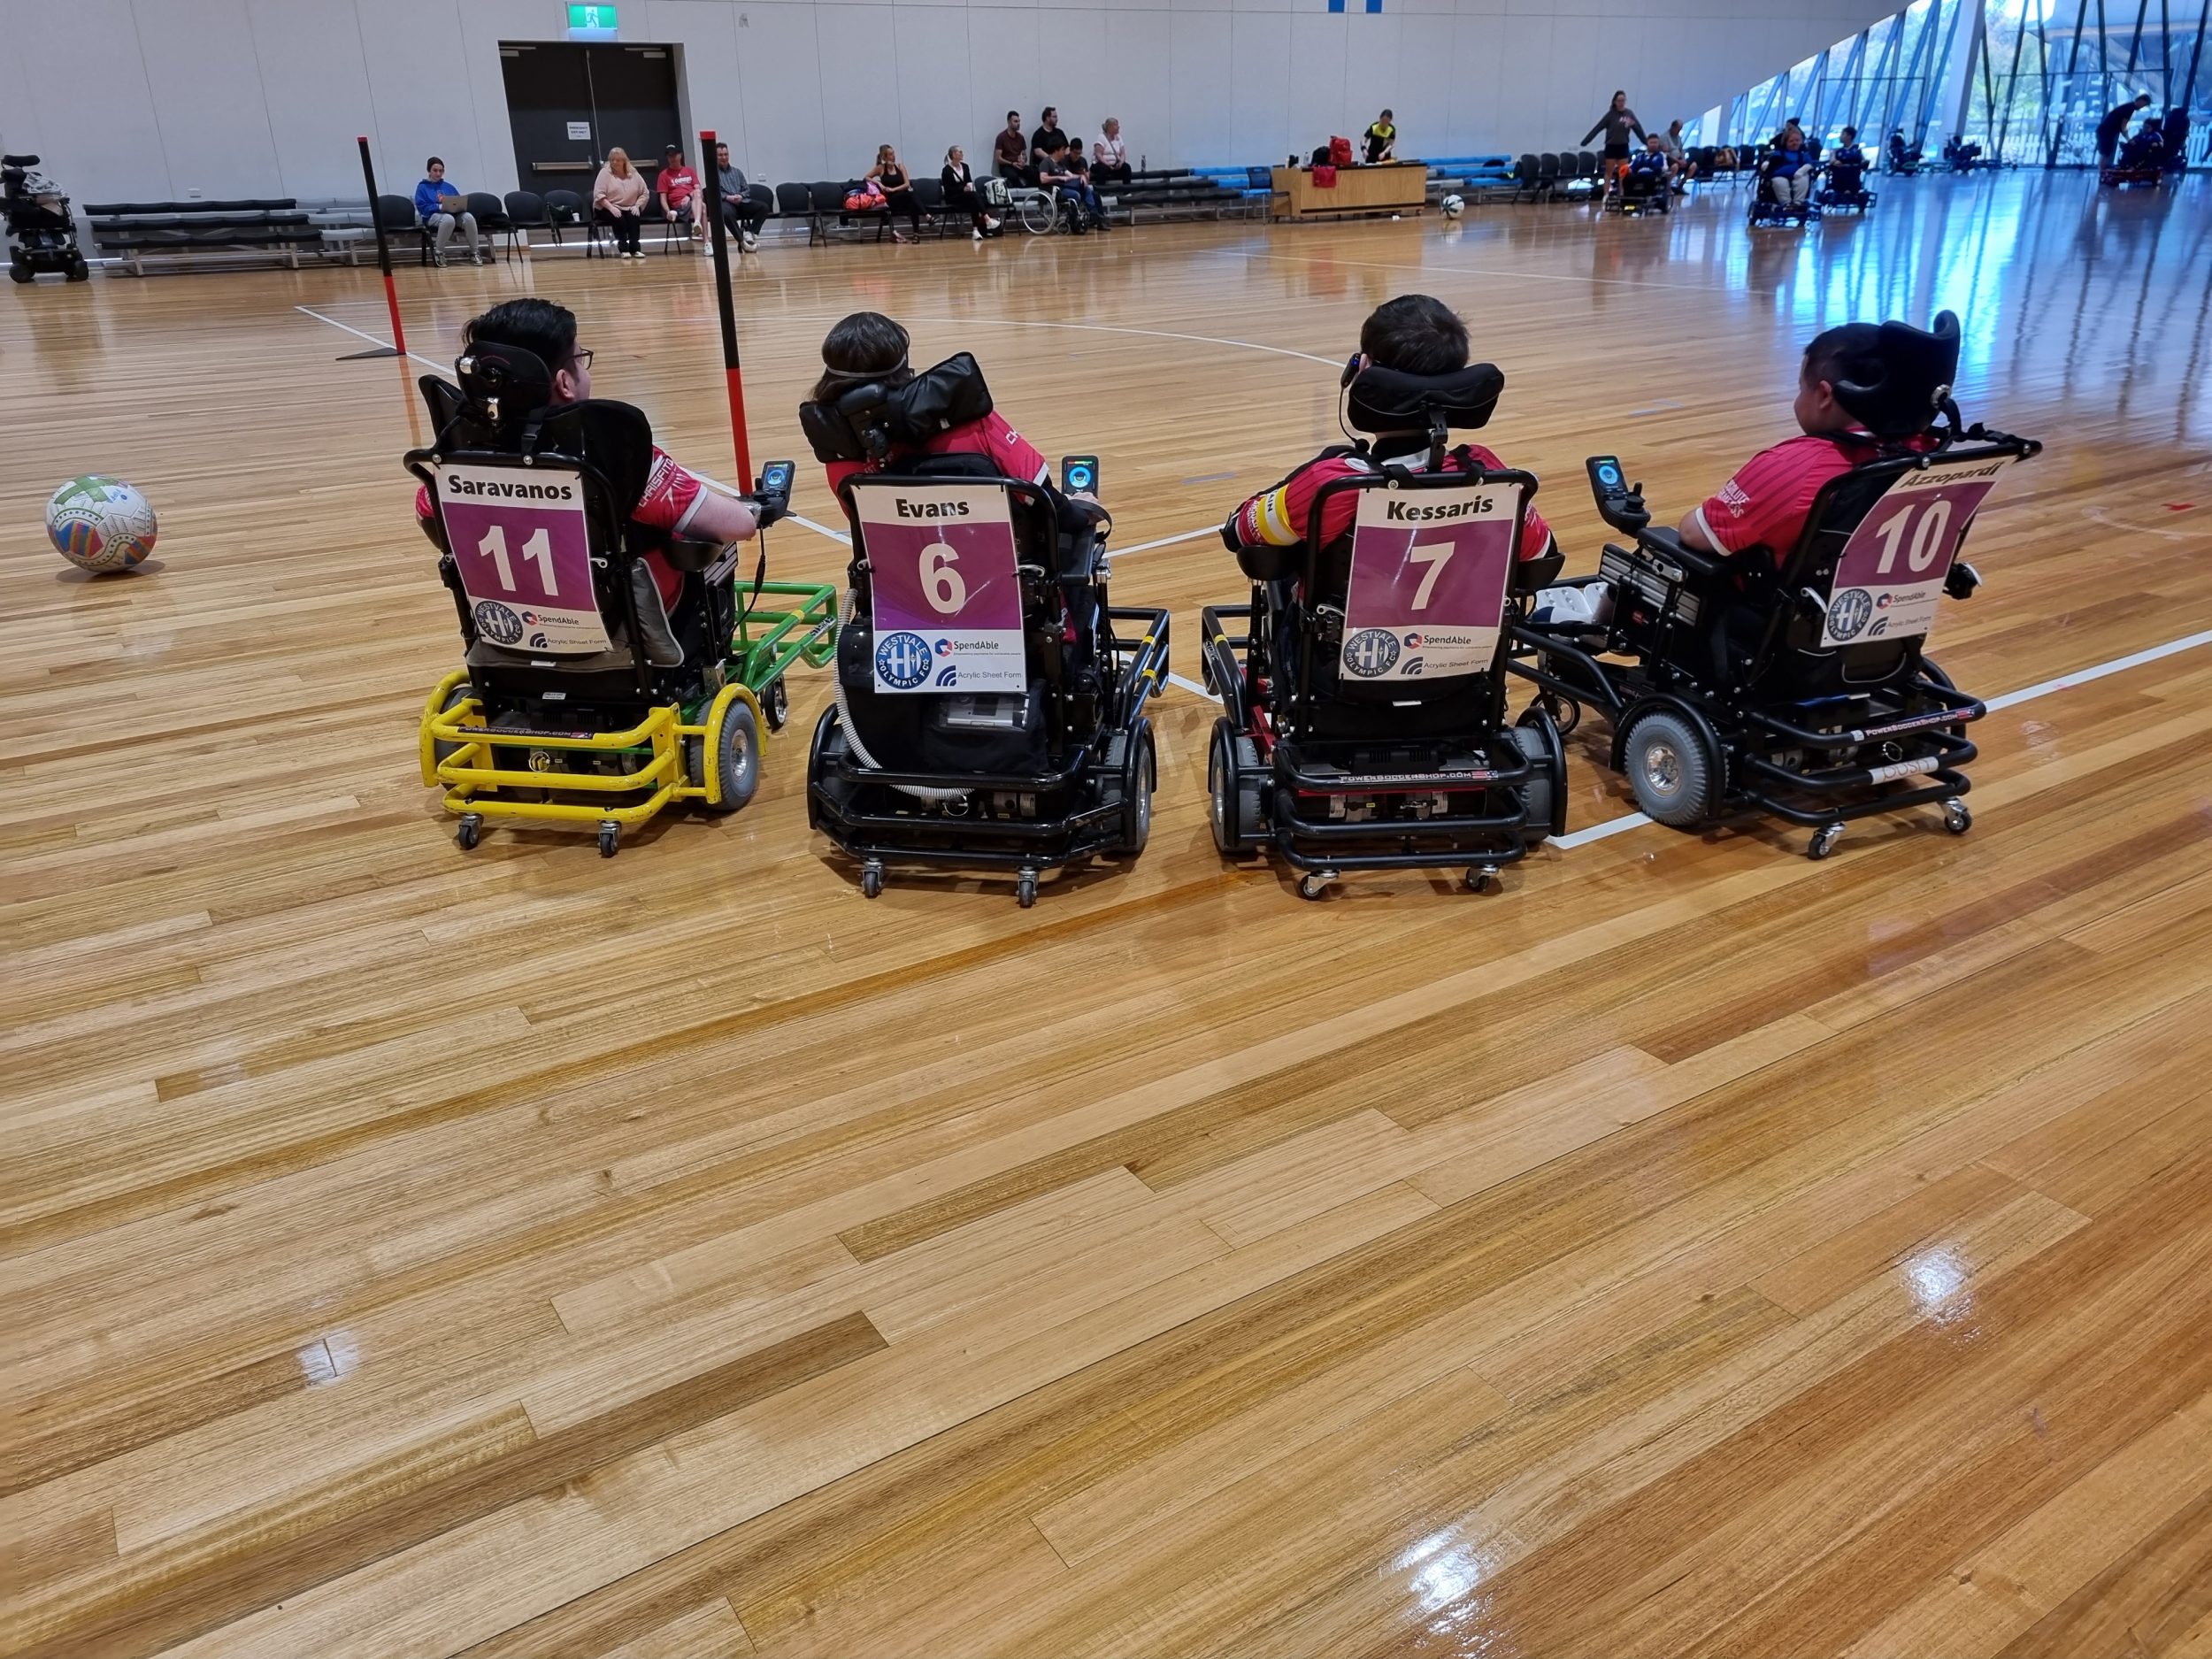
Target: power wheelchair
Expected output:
[1843,185]
[41,236]
[1365,723]
[988,715]
[1640,193]
[1766,211]
[1734,685]
[583,698]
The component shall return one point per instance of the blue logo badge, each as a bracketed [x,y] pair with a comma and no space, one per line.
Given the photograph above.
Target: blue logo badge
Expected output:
[1848,612]
[1371,652]
[903,660]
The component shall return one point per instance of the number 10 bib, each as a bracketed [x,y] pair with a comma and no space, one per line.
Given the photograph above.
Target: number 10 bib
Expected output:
[947,599]
[1890,573]
[1427,593]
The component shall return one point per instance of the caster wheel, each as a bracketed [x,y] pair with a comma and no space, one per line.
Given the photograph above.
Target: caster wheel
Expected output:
[1957,817]
[871,879]
[1566,714]
[1313,885]
[775,704]
[1824,840]
[1026,888]
[1482,878]
[609,839]
[78,273]
[467,831]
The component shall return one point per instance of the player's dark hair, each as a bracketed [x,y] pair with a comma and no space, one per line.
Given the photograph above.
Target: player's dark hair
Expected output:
[435,161]
[539,327]
[1013,115]
[1849,351]
[865,345]
[1415,334]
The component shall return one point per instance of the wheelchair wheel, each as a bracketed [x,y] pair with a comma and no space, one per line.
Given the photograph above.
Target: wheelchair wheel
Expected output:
[1038,213]
[1140,775]
[1232,767]
[1675,778]
[737,759]
[441,752]
[1929,666]
[1544,797]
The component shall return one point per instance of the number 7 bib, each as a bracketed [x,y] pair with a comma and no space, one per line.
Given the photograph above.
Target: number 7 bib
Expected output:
[945,592]
[1427,593]
[1890,573]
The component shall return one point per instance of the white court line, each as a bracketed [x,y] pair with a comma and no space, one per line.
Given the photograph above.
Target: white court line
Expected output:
[372,338]
[1168,541]
[1193,686]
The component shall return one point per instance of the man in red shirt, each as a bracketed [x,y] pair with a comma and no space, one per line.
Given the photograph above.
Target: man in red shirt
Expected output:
[673,499]
[679,187]
[869,346]
[1414,334]
[1763,507]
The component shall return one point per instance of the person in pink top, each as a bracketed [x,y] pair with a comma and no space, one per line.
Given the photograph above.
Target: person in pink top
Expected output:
[679,187]
[616,196]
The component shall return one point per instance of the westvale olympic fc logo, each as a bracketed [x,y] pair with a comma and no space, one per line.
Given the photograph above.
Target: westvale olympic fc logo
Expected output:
[1371,652]
[1848,612]
[903,660]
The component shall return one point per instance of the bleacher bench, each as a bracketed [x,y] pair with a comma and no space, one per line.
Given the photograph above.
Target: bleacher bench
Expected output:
[184,231]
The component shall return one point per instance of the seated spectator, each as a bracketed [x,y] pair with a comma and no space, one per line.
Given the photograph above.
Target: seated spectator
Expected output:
[962,196]
[1789,167]
[1959,154]
[617,196]
[1109,157]
[1846,168]
[1647,174]
[1063,176]
[1010,151]
[739,212]
[678,188]
[2145,150]
[439,207]
[898,191]
[1047,138]
[1680,168]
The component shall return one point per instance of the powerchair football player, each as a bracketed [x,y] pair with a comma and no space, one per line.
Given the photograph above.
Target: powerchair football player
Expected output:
[1792,680]
[1363,685]
[989,715]
[585,697]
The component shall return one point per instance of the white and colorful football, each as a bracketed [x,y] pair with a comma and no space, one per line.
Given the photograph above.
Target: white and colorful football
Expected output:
[100,524]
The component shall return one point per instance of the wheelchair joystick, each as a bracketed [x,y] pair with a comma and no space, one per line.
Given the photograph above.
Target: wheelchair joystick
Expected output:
[1620,504]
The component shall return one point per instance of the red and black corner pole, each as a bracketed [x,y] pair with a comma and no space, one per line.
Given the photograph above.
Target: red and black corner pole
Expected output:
[713,194]
[398,348]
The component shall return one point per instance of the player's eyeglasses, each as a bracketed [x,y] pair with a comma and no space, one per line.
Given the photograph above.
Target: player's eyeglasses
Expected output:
[582,358]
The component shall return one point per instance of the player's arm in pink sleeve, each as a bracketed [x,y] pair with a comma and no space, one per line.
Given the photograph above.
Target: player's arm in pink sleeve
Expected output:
[1535,535]
[1738,514]
[1013,453]
[1278,517]
[677,502]
[427,518]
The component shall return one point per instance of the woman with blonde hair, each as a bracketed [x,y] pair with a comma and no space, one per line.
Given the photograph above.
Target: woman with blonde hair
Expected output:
[617,195]
[898,191]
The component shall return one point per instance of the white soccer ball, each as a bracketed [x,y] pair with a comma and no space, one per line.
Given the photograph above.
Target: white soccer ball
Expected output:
[1453,206]
[100,524]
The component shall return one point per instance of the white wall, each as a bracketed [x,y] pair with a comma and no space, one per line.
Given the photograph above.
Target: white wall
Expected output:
[264,97]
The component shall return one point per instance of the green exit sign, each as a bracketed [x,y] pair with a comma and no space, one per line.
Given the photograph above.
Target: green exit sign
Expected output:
[592,22]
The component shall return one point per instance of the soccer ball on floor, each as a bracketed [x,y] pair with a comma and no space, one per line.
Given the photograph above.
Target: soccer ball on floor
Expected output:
[100,524]
[1453,206]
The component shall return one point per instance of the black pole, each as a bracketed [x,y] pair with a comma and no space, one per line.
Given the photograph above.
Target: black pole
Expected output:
[715,230]
[398,348]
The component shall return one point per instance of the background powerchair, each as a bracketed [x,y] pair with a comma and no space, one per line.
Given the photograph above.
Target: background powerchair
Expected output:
[913,766]
[1734,687]
[582,699]
[1317,757]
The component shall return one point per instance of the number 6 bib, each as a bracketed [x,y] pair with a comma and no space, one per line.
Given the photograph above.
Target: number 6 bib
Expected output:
[947,599]
[518,538]
[1427,593]
[1890,573]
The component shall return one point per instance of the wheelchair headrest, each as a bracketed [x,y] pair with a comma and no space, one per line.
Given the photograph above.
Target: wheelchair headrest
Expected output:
[503,385]
[867,422]
[1918,367]
[1387,400]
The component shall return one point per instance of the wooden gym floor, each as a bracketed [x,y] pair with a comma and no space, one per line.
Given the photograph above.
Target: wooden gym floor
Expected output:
[1691,1249]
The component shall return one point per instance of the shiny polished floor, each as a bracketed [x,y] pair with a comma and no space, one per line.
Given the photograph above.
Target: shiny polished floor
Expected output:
[1690,1249]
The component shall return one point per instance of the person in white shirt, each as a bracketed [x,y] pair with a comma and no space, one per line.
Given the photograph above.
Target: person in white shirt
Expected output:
[1109,157]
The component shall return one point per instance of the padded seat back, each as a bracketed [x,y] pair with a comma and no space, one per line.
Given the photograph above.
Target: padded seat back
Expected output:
[526,210]
[490,212]
[793,201]
[396,212]
[563,207]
